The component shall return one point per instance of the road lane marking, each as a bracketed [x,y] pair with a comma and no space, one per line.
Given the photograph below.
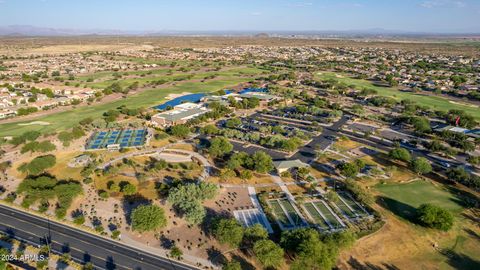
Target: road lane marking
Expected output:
[91,244]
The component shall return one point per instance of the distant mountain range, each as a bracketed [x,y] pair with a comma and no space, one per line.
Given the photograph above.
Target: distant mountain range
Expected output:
[28,30]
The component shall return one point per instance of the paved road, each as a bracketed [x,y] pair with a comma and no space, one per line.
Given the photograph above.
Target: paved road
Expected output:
[387,146]
[252,148]
[83,247]
[321,142]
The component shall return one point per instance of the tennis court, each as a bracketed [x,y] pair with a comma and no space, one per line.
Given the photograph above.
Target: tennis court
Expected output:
[346,210]
[315,215]
[286,215]
[354,205]
[331,218]
[123,138]
[296,218]
[280,215]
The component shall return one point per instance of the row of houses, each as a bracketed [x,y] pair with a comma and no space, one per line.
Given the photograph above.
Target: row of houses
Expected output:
[10,102]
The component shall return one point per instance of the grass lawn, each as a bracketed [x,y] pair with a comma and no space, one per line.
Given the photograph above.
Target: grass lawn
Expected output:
[161,74]
[149,98]
[403,199]
[435,102]
[457,249]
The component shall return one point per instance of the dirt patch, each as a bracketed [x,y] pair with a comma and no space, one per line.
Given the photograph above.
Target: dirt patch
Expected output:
[391,245]
[173,96]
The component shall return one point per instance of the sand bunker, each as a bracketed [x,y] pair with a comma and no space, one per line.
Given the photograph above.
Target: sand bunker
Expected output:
[40,123]
[463,104]
[174,96]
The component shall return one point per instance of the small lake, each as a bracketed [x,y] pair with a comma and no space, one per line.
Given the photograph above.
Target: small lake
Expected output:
[194,98]
[249,90]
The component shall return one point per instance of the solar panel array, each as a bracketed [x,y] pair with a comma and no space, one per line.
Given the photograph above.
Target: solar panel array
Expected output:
[124,138]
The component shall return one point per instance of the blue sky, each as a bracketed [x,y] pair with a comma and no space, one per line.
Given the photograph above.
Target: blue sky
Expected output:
[153,15]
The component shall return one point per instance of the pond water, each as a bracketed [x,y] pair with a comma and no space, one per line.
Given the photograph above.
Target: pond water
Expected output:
[248,90]
[195,98]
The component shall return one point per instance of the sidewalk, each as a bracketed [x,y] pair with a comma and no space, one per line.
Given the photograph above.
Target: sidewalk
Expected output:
[192,260]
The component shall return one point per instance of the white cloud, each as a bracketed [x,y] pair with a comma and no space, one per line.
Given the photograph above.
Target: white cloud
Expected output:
[256,13]
[356,5]
[300,4]
[443,3]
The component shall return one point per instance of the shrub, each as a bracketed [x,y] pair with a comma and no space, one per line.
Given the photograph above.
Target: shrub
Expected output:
[434,217]
[38,165]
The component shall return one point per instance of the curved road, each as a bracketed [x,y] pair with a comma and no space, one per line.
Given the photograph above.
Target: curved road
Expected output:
[83,246]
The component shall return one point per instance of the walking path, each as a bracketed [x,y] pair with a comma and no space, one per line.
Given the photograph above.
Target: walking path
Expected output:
[207,167]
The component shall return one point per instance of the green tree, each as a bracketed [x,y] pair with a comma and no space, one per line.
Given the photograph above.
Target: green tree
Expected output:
[187,199]
[194,213]
[219,146]
[255,233]
[246,175]
[308,250]
[421,125]
[113,186]
[233,123]
[474,160]
[228,231]
[349,169]
[237,160]
[421,165]
[43,147]
[148,218]
[209,130]
[435,217]
[361,194]
[180,131]
[128,189]
[38,165]
[464,120]
[401,154]
[262,162]
[268,253]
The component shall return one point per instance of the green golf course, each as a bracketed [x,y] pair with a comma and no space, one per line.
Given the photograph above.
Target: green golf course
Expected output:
[148,98]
